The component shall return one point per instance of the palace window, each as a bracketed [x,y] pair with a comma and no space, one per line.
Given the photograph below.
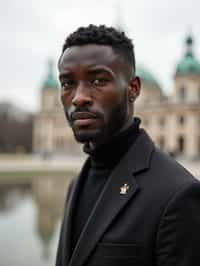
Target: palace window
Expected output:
[182,93]
[181,120]
[181,144]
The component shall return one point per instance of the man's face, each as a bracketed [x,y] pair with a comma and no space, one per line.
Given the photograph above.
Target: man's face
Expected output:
[94,92]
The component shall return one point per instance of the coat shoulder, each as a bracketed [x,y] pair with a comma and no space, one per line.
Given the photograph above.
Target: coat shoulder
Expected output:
[163,179]
[169,170]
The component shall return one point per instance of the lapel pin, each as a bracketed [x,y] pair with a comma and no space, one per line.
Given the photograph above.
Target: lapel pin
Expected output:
[124,189]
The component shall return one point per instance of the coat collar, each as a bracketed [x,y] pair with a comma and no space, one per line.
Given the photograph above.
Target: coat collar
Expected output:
[110,201]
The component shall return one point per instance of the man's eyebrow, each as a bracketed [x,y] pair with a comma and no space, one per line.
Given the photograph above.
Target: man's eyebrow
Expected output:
[65,75]
[99,70]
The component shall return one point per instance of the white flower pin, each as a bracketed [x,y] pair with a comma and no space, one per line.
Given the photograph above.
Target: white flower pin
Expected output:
[124,189]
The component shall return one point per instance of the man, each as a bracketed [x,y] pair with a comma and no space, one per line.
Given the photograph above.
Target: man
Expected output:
[131,204]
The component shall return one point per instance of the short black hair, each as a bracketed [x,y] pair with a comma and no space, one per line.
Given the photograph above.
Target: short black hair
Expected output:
[103,35]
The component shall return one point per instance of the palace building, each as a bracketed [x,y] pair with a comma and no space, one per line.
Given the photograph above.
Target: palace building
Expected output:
[172,121]
[51,133]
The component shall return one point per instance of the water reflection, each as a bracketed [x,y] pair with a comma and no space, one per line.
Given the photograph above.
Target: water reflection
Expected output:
[11,196]
[30,214]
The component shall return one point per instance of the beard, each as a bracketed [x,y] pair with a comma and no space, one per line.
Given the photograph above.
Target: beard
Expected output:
[111,123]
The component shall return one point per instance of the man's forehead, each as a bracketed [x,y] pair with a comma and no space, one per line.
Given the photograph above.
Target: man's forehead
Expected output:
[90,54]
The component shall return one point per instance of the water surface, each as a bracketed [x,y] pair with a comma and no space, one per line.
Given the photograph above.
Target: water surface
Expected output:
[30,217]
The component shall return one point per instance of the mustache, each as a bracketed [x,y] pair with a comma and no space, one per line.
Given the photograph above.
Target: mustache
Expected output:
[72,114]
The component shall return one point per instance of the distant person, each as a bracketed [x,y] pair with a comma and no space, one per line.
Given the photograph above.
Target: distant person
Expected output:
[131,204]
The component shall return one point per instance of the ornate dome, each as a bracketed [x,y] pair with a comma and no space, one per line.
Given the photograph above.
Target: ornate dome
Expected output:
[146,76]
[151,92]
[188,64]
[50,82]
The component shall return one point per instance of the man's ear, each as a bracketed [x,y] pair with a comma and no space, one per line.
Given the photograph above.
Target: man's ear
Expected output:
[134,88]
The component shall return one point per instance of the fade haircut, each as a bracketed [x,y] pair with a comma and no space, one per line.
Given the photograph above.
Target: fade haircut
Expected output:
[103,35]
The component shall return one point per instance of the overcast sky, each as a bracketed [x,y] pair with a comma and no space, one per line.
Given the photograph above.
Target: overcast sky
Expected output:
[31,32]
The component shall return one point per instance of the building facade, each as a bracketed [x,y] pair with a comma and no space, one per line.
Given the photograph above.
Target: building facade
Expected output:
[172,121]
[51,134]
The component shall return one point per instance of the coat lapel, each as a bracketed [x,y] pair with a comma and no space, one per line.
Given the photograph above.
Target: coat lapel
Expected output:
[68,218]
[111,201]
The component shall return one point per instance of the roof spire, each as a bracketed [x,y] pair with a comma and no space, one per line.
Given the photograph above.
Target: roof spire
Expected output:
[50,82]
[189,45]
[189,64]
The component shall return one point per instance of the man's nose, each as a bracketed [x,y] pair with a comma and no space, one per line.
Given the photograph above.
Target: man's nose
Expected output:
[82,96]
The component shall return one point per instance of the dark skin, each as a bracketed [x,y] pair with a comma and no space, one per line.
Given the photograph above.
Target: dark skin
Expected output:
[98,89]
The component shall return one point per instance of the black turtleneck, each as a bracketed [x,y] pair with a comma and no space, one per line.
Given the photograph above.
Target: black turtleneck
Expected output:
[103,161]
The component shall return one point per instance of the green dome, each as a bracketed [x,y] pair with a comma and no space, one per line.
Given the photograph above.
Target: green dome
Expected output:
[50,82]
[188,64]
[146,76]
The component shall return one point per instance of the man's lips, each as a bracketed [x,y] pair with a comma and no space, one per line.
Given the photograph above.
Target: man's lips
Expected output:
[83,118]
[83,115]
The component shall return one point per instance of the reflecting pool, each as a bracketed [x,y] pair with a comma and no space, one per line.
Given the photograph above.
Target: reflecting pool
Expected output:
[30,217]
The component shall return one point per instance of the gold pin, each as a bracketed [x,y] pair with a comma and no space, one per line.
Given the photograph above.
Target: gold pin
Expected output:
[124,189]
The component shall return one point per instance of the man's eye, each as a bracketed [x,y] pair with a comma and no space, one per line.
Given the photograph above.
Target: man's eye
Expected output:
[68,85]
[100,81]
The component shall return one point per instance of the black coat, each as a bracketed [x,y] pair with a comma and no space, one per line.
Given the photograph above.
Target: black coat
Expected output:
[156,221]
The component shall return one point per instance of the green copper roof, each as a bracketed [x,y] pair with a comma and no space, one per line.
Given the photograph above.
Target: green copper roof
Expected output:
[188,64]
[146,76]
[50,82]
